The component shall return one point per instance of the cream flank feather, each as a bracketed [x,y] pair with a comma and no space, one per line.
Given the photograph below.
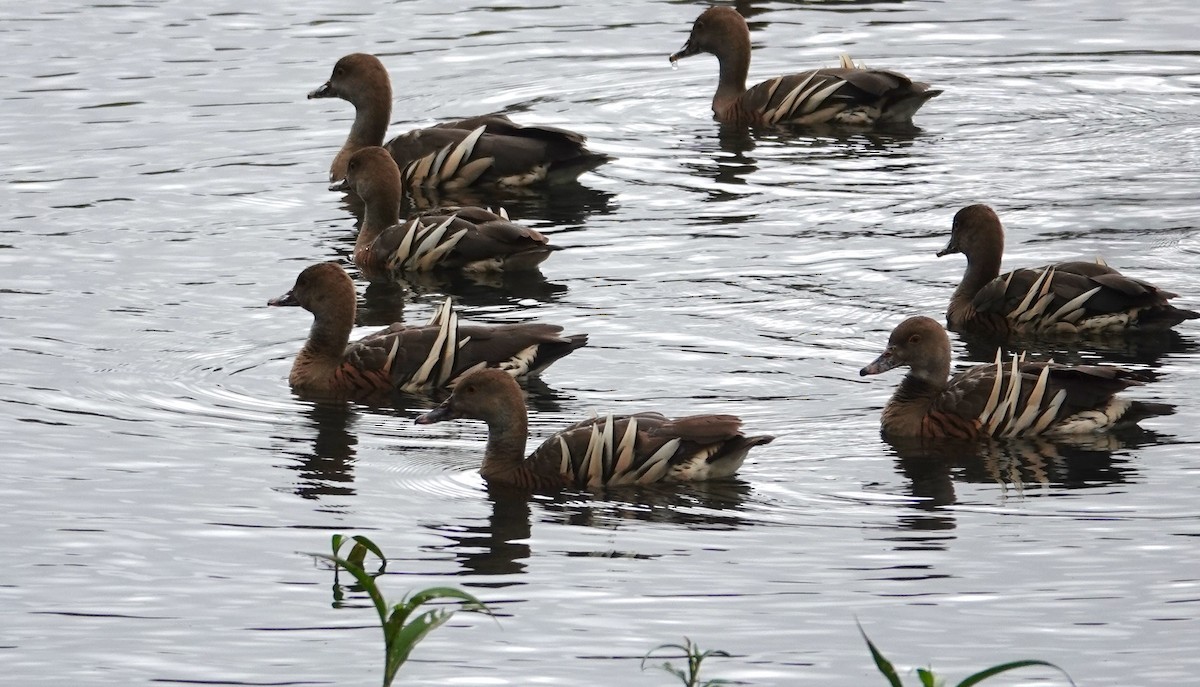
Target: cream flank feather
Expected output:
[450,167]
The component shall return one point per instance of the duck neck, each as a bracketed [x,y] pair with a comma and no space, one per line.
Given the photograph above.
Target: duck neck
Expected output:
[734,59]
[371,115]
[381,209]
[329,335]
[981,269]
[508,429]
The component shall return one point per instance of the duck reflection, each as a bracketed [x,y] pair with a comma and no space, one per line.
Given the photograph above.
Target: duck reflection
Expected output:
[715,504]
[1075,462]
[326,469]
[500,546]
[497,547]
[385,293]
[1129,348]
[727,159]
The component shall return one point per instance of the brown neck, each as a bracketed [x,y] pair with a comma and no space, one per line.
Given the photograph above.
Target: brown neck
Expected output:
[734,58]
[329,334]
[981,269]
[508,428]
[381,209]
[371,114]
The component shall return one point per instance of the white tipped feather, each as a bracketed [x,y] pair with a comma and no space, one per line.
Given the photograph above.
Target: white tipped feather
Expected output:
[656,465]
[994,397]
[608,449]
[522,362]
[772,86]
[432,236]
[564,464]
[1065,312]
[404,250]
[1050,413]
[461,152]
[449,335]
[775,114]
[502,213]
[1007,405]
[624,459]
[391,356]
[1032,405]
[435,168]
[448,323]
[1033,292]
[417,171]
[430,260]
[591,467]
[470,172]
[1037,309]
[814,101]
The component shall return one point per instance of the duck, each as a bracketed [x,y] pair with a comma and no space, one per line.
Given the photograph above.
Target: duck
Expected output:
[1063,300]
[613,450]
[846,96]
[1019,398]
[468,238]
[487,149]
[404,358]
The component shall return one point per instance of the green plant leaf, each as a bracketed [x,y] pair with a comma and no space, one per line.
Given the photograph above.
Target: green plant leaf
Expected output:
[469,602]
[885,666]
[1005,667]
[364,580]
[695,658]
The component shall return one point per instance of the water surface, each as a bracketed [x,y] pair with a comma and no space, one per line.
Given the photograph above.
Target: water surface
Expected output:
[166,177]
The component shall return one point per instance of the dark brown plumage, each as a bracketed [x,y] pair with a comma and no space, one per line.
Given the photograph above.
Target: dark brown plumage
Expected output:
[470,238]
[489,149]
[1067,299]
[1017,398]
[404,358]
[848,96]
[615,450]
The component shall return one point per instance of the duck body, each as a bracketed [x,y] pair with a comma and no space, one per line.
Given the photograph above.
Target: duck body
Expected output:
[1063,300]
[488,149]
[400,357]
[609,451]
[466,238]
[1015,399]
[846,96]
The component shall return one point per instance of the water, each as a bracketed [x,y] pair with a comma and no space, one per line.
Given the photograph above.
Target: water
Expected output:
[166,177]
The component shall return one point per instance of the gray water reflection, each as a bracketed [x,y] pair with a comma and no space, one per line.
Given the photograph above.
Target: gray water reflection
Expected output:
[1021,467]
[166,176]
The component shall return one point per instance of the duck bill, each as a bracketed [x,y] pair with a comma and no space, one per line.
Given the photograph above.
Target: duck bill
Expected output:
[325,91]
[286,299]
[950,249]
[342,185]
[686,51]
[439,414]
[886,361]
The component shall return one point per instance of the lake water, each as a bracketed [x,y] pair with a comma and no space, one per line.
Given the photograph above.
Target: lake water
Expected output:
[166,176]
